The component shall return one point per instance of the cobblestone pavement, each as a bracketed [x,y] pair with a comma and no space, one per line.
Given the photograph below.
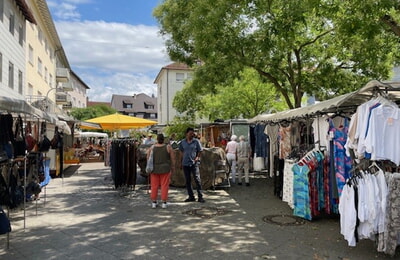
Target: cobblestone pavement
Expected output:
[84,217]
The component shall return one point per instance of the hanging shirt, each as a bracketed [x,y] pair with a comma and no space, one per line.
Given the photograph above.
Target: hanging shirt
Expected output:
[284,142]
[348,215]
[321,131]
[383,139]
[363,113]
[383,193]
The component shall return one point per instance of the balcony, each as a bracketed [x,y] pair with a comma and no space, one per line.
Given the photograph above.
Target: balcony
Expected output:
[62,75]
[67,86]
[62,99]
[68,105]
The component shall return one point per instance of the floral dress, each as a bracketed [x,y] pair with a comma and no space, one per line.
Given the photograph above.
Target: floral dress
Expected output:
[342,162]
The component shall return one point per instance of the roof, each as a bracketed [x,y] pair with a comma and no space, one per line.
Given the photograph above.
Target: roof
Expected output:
[172,66]
[138,102]
[346,102]
[96,103]
[117,102]
[25,11]
[79,79]
[45,15]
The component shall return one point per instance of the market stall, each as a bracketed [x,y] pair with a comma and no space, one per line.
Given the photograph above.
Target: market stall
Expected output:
[87,147]
[321,156]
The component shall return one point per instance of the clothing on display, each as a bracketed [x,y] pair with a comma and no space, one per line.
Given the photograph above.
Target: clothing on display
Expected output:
[123,162]
[308,185]
[369,209]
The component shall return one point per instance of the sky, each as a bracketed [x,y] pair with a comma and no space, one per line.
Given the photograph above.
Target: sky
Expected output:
[114,46]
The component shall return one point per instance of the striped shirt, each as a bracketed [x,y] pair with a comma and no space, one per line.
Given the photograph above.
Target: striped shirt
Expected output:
[243,149]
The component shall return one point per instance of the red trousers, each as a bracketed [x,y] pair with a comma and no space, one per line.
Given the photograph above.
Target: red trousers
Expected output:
[159,180]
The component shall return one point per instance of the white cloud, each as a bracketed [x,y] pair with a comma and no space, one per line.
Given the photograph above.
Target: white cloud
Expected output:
[112,46]
[65,11]
[111,58]
[102,87]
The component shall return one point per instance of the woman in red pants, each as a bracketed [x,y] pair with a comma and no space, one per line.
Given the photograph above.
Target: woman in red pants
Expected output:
[163,167]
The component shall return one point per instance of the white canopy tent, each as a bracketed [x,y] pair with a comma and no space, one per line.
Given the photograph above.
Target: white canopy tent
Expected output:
[338,104]
[90,134]
[14,105]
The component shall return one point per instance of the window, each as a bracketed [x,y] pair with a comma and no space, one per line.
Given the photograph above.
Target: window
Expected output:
[180,77]
[146,106]
[45,74]
[40,67]
[1,64]
[20,83]
[12,23]
[21,35]
[40,36]
[30,89]
[30,55]
[152,115]
[1,9]
[50,80]
[127,105]
[46,47]
[11,75]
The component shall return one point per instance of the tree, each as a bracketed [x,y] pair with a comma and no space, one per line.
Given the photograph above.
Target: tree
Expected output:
[178,127]
[92,112]
[297,46]
[247,97]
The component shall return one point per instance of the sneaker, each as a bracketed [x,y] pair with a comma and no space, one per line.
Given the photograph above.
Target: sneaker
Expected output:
[154,205]
[190,199]
[164,205]
[201,200]
[247,184]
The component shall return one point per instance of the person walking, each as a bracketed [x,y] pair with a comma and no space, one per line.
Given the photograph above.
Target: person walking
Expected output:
[190,151]
[231,156]
[163,167]
[243,152]
[149,140]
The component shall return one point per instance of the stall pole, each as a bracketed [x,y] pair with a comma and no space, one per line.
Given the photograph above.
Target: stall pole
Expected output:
[8,233]
[25,165]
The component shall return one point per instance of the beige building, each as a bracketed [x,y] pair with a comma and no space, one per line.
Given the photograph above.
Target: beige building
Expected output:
[79,94]
[47,69]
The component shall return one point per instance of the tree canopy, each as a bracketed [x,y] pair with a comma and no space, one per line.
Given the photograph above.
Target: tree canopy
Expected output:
[249,94]
[323,48]
[92,112]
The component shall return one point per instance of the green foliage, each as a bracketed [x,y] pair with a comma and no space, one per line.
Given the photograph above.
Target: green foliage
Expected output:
[323,48]
[247,97]
[92,112]
[178,127]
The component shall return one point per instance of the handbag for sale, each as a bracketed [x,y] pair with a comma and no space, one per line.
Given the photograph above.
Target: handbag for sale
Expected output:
[45,144]
[19,143]
[5,225]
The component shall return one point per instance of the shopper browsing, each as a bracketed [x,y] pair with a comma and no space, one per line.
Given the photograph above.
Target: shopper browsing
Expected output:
[190,152]
[163,167]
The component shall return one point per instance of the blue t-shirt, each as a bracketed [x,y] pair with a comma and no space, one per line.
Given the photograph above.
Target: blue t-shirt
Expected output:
[190,151]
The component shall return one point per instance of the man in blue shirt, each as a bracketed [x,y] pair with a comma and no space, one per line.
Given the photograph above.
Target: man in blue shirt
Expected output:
[190,150]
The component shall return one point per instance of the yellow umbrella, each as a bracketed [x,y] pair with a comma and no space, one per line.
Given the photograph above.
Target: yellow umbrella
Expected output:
[117,121]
